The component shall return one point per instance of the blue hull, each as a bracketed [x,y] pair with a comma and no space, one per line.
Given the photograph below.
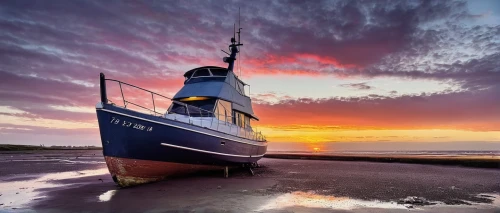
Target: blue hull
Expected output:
[132,135]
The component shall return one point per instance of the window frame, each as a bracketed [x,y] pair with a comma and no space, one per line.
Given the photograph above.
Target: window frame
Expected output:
[211,75]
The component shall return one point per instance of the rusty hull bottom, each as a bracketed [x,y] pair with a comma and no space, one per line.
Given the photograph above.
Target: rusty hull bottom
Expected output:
[129,172]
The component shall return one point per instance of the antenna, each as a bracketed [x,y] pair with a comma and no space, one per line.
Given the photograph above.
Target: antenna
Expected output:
[233,48]
[225,52]
[239,38]
[239,24]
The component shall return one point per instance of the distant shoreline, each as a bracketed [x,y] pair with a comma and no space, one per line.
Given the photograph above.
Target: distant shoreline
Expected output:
[478,161]
[467,161]
[15,147]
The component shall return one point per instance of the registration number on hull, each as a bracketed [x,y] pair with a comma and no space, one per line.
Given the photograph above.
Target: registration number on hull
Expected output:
[125,123]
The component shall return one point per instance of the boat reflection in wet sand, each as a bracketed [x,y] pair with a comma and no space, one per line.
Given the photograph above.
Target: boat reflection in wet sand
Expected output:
[207,126]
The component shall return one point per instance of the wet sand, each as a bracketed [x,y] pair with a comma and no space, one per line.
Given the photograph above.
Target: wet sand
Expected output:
[479,161]
[77,181]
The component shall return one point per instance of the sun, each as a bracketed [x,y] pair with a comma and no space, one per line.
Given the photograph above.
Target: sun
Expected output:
[316,149]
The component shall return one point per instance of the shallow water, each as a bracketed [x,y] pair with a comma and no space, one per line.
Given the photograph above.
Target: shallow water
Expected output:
[28,186]
[313,200]
[410,153]
[106,196]
[16,193]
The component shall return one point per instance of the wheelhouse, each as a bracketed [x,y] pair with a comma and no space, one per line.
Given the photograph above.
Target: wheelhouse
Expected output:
[211,107]
[214,92]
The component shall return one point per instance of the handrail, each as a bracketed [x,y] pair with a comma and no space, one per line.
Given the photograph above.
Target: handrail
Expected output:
[248,132]
[178,102]
[109,79]
[137,105]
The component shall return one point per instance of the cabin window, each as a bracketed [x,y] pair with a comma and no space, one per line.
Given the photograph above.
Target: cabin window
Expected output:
[223,110]
[202,108]
[206,104]
[198,108]
[240,87]
[203,79]
[241,119]
[247,122]
[177,108]
[218,72]
[201,73]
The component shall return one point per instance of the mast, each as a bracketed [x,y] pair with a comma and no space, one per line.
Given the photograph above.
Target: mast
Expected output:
[233,47]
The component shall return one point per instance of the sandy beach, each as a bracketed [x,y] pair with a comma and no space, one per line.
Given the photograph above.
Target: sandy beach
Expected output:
[78,181]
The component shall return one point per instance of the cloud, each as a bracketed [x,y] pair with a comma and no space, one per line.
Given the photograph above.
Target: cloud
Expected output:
[145,37]
[358,86]
[36,96]
[270,97]
[36,130]
[466,110]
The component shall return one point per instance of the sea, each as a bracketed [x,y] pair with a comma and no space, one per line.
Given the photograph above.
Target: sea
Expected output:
[455,153]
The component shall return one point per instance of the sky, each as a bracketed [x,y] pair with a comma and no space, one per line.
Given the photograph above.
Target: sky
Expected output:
[357,74]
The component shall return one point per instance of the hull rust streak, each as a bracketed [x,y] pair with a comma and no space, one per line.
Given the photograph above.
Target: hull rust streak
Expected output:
[129,172]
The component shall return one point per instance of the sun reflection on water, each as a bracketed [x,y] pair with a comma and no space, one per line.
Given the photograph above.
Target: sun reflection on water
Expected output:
[106,196]
[313,200]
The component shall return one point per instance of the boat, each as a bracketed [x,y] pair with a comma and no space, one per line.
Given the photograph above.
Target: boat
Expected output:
[206,126]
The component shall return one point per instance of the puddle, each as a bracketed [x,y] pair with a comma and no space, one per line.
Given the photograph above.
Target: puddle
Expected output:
[30,160]
[18,193]
[81,162]
[312,200]
[493,207]
[494,197]
[106,196]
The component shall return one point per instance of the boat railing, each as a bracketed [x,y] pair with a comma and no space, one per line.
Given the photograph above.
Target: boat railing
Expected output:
[202,117]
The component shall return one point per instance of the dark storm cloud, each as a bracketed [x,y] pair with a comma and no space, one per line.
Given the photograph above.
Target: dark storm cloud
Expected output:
[353,32]
[473,74]
[146,36]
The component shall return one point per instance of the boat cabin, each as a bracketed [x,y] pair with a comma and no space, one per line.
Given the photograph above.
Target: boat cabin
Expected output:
[214,92]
